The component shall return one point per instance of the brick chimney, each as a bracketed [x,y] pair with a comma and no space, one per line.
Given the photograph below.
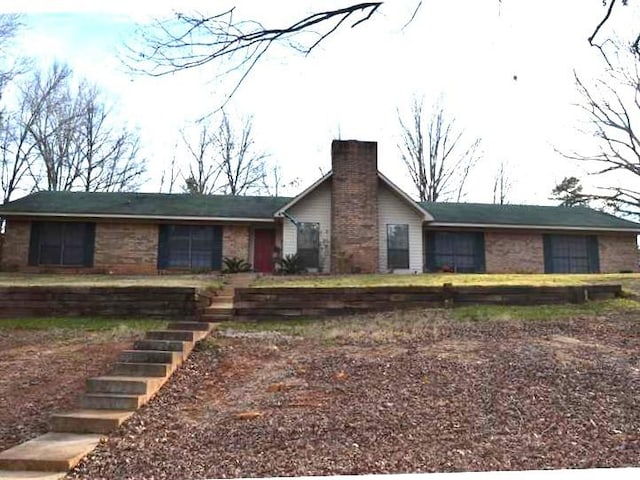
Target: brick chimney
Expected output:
[354,207]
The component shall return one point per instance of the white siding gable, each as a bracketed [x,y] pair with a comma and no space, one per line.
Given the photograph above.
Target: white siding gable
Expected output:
[394,210]
[315,207]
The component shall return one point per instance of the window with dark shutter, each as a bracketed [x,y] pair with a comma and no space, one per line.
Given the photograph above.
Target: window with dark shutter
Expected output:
[461,252]
[571,254]
[62,243]
[190,247]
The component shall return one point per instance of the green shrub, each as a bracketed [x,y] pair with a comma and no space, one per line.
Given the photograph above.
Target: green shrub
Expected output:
[235,265]
[291,264]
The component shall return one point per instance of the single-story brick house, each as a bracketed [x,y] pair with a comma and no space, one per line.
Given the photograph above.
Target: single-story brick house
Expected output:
[351,220]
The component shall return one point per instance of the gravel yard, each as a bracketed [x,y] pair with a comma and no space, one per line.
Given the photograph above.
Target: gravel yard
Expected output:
[392,393]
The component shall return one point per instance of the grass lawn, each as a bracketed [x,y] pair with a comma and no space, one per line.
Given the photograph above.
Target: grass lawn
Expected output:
[437,279]
[397,392]
[45,363]
[25,280]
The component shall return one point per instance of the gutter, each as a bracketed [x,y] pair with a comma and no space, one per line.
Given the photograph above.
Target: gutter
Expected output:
[136,217]
[533,227]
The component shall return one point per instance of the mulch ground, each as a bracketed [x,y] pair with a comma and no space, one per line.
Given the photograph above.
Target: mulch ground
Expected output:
[42,372]
[438,396]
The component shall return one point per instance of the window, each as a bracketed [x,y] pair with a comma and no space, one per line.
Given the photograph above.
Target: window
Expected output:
[571,254]
[61,243]
[309,244]
[455,251]
[190,247]
[397,246]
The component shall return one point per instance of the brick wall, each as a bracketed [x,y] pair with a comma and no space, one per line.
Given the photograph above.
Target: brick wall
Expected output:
[15,250]
[126,248]
[514,252]
[617,253]
[235,241]
[354,207]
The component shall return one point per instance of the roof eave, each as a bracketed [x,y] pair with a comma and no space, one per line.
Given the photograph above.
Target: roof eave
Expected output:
[534,227]
[136,217]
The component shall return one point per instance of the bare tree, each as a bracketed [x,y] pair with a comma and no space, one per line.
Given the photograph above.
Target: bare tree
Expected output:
[436,154]
[226,160]
[170,177]
[612,107]
[204,168]
[66,138]
[108,155]
[274,182]
[501,185]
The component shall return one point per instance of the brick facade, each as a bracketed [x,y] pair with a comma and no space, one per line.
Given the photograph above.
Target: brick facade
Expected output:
[354,207]
[235,241]
[618,253]
[15,249]
[513,252]
[126,248]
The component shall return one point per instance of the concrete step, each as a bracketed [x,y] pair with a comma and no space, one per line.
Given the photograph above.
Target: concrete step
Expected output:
[89,421]
[215,317]
[194,326]
[163,345]
[52,452]
[23,475]
[218,307]
[149,356]
[136,369]
[179,335]
[221,299]
[124,384]
[111,401]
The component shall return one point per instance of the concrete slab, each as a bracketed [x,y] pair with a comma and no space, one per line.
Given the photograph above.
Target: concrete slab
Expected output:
[22,475]
[52,452]
[89,421]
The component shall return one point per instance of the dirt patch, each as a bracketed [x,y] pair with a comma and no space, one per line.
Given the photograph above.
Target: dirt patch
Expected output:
[44,372]
[463,397]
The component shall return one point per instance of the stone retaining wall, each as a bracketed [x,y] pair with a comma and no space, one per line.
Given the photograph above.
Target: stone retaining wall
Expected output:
[181,303]
[263,303]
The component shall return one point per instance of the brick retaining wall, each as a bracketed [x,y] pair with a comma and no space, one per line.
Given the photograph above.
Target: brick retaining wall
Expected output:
[181,303]
[257,303]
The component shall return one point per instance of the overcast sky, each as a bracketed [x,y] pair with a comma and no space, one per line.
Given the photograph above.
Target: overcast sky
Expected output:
[503,69]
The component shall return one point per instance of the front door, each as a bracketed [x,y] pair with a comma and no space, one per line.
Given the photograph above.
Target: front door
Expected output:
[263,246]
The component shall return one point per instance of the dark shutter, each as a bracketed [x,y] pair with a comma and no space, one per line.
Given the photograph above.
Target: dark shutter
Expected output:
[216,250]
[430,251]
[548,260]
[89,243]
[163,246]
[34,244]
[480,262]
[593,254]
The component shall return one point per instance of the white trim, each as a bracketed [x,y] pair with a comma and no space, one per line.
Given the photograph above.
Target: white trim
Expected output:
[300,196]
[427,216]
[136,217]
[531,227]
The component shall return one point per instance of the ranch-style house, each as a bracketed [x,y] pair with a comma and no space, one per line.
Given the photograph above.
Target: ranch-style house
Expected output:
[352,220]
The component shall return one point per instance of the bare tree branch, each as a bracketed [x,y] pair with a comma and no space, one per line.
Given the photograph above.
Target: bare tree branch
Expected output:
[436,158]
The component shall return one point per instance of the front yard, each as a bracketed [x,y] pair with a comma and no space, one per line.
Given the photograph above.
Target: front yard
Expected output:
[434,390]
[49,280]
[631,280]
[45,362]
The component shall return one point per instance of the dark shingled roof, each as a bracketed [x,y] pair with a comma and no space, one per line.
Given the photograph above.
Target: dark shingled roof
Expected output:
[173,206]
[145,204]
[533,215]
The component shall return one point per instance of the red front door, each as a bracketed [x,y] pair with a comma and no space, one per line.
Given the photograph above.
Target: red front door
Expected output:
[263,245]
